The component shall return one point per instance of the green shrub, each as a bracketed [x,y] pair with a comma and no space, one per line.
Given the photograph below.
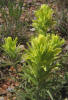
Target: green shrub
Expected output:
[42,54]
[42,58]
[44,19]
[10,48]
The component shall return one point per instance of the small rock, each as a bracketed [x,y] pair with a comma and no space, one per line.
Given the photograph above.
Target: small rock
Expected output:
[1,98]
[21,47]
[66,48]
[32,29]
[10,89]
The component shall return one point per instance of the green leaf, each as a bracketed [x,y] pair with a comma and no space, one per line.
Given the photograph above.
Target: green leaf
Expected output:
[49,93]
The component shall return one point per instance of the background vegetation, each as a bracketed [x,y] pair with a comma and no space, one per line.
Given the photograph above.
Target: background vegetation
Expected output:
[33,50]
